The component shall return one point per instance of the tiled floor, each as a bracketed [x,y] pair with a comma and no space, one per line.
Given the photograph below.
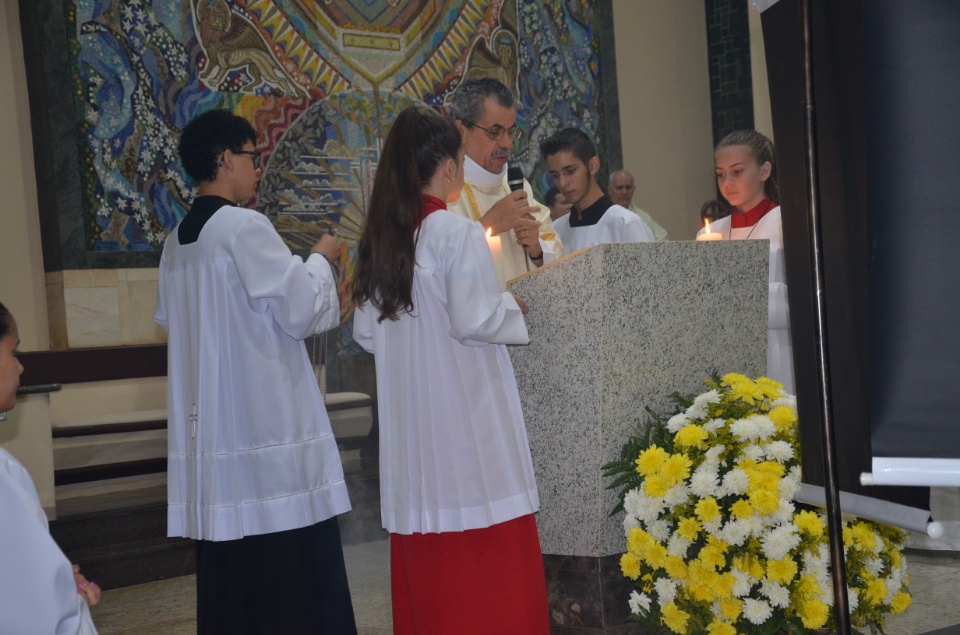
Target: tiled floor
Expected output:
[168,607]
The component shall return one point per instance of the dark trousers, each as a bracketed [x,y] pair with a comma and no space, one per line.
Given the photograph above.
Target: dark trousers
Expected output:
[287,582]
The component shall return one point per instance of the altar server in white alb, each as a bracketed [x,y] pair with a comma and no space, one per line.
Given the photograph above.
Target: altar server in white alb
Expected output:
[484,111]
[457,487]
[594,219]
[747,178]
[254,472]
[40,592]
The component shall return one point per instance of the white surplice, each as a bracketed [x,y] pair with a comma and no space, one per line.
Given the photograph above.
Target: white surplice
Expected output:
[454,453]
[617,225]
[251,450]
[481,191]
[779,346]
[38,593]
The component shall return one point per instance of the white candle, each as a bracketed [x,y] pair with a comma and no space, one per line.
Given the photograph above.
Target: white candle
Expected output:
[496,253]
[708,235]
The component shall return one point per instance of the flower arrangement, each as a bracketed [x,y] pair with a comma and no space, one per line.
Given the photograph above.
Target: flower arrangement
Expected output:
[715,543]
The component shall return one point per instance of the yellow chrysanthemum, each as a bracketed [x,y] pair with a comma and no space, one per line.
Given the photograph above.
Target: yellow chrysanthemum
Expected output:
[691,436]
[688,528]
[783,418]
[848,538]
[731,608]
[656,485]
[747,391]
[707,509]
[900,602]
[733,378]
[782,571]
[765,502]
[656,556]
[876,591]
[629,566]
[676,468]
[741,509]
[650,460]
[864,537]
[894,556]
[712,555]
[720,628]
[771,388]
[638,540]
[676,567]
[700,581]
[814,614]
[724,590]
[674,618]
[647,580]
[809,522]
[807,587]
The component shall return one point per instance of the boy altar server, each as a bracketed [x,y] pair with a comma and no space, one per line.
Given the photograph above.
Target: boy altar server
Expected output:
[594,219]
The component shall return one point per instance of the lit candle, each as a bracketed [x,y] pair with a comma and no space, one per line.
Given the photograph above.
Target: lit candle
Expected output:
[496,252]
[708,235]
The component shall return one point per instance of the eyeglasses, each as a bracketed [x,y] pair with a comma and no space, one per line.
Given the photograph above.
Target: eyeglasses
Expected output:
[498,131]
[254,153]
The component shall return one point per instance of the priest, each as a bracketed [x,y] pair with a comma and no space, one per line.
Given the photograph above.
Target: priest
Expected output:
[485,113]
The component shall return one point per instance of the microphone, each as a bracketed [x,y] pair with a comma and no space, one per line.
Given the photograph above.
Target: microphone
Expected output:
[515,178]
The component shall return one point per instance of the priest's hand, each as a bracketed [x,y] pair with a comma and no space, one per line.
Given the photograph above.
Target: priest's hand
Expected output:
[523,305]
[528,237]
[328,247]
[507,213]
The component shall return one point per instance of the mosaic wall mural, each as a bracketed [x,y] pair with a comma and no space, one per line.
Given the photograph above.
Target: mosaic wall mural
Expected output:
[321,80]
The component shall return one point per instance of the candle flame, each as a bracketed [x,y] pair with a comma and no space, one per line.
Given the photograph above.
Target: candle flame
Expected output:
[708,225]
[489,232]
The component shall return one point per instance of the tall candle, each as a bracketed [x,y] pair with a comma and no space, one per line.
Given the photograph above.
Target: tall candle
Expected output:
[496,252]
[708,235]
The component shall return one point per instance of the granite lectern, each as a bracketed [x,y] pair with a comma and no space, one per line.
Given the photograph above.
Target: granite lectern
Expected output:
[613,329]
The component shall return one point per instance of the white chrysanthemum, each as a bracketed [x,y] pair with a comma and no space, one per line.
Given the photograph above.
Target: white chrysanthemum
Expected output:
[649,508]
[713,526]
[752,452]
[704,481]
[785,399]
[678,545]
[666,590]
[678,422]
[629,522]
[893,587]
[789,486]
[632,500]
[743,582]
[713,454]
[874,566]
[781,451]
[853,599]
[779,541]
[735,482]
[699,408]
[765,427]
[778,594]
[677,495]
[713,425]
[784,513]
[756,611]
[744,429]
[659,529]
[735,532]
[639,603]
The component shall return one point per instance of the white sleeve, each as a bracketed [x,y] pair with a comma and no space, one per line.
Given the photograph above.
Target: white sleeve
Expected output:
[363,318]
[301,296]
[479,313]
[778,307]
[160,312]
[549,239]
[635,230]
[38,593]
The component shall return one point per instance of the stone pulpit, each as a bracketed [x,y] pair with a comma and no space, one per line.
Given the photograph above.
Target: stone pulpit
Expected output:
[614,329]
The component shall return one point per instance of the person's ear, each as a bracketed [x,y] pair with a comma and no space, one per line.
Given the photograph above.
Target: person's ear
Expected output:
[765,170]
[460,126]
[594,165]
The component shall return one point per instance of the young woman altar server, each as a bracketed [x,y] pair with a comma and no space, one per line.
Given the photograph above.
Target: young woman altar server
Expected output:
[40,592]
[457,485]
[747,178]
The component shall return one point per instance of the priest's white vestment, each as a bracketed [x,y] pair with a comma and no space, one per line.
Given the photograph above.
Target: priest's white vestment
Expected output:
[779,346]
[454,453]
[617,225]
[251,450]
[481,191]
[38,593]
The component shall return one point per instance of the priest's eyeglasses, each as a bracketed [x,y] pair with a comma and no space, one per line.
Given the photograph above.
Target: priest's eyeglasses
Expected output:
[254,153]
[498,131]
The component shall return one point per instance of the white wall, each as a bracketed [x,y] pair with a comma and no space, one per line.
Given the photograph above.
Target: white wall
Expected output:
[762,118]
[666,130]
